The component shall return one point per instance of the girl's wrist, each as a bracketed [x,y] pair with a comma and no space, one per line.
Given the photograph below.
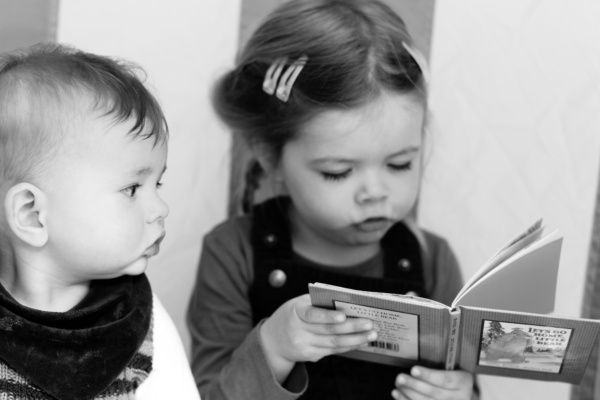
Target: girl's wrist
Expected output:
[279,365]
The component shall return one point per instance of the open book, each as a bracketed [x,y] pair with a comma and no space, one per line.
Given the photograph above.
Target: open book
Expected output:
[494,325]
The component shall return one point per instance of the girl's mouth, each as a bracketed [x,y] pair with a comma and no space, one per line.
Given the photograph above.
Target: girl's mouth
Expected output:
[374,224]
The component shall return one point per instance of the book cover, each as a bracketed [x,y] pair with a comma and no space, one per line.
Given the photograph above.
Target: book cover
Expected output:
[496,324]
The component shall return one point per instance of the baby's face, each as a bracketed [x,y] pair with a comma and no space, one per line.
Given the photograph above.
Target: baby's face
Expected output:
[104,215]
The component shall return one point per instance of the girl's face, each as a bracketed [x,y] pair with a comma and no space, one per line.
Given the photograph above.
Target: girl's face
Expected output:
[353,173]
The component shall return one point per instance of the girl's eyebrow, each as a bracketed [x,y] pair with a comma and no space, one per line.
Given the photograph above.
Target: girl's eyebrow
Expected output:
[342,160]
[408,150]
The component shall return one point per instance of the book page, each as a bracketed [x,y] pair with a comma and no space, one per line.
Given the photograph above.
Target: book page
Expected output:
[519,242]
[525,282]
[411,331]
[526,345]
[397,332]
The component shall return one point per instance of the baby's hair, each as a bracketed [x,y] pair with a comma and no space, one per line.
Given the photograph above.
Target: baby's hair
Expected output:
[42,88]
[355,49]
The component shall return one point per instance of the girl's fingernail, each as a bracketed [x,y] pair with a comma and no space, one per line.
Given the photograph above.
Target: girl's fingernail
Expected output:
[401,380]
[372,336]
[367,326]
[415,371]
[395,394]
[340,317]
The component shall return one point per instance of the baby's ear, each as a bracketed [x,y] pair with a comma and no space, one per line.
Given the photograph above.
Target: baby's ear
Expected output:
[24,208]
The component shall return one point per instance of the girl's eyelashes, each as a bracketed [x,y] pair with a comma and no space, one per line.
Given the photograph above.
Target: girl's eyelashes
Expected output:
[338,176]
[335,176]
[401,167]
[130,191]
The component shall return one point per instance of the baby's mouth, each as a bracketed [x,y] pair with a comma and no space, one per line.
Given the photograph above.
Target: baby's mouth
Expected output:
[154,248]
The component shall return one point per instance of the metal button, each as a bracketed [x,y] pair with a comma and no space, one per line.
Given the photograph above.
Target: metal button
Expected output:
[277,278]
[270,239]
[412,293]
[404,264]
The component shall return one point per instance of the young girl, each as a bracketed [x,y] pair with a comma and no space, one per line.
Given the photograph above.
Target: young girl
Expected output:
[330,97]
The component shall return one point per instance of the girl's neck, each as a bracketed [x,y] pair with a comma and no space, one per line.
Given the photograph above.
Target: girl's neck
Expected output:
[33,287]
[320,250]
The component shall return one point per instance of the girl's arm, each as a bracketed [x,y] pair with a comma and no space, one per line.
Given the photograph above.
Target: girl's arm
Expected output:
[233,360]
[228,361]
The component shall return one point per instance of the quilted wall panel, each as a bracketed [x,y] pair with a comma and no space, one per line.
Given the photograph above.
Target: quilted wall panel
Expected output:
[515,99]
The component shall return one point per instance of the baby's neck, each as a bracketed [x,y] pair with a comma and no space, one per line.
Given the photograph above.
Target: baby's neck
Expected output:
[35,288]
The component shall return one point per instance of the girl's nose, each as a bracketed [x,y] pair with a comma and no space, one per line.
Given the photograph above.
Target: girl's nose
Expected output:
[372,190]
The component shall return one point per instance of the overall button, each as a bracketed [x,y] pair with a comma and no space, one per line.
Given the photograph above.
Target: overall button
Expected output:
[270,239]
[404,265]
[277,278]
[412,293]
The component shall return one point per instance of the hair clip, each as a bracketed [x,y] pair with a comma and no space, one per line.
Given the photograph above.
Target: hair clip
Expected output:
[282,87]
[419,59]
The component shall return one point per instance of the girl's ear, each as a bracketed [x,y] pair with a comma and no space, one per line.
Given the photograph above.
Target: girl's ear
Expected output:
[265,158]
[24,207]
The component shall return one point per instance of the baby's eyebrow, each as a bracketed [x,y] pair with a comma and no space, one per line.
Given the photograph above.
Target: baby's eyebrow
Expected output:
[146,171]
[143,171]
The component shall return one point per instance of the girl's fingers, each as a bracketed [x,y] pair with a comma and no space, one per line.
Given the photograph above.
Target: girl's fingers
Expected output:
[409,386]
[337,343]
[351,325]
[442,378]
[435,384]
[315,315]
[408,394]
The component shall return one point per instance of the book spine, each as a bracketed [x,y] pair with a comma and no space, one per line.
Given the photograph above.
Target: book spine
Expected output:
[453,338]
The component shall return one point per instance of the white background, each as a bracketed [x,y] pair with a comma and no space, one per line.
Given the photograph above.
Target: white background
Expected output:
[516,132]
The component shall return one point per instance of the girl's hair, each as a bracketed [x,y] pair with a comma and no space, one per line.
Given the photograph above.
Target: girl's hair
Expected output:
[355,49]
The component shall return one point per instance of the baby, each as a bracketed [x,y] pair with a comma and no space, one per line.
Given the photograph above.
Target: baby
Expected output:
[83,147]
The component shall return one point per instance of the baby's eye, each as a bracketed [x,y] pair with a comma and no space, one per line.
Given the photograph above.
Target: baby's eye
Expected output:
[335,176]
[129,191]
[401,167]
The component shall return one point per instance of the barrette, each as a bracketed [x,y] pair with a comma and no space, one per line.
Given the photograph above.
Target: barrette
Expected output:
[279,85]
[419,59]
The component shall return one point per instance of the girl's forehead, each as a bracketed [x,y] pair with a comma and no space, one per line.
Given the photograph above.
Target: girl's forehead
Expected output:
[389,120]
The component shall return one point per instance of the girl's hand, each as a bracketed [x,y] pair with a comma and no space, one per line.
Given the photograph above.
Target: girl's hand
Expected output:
[297,331]
[425,383]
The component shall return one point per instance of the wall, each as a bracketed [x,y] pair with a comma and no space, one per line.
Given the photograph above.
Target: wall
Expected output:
[515,98]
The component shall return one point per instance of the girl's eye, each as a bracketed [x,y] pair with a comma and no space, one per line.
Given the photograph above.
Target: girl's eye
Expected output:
[335,176]
[401,167]
[159,185]
[129,191]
